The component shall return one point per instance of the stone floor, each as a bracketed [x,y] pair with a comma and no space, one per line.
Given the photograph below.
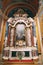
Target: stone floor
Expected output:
[40,62]
[21,64]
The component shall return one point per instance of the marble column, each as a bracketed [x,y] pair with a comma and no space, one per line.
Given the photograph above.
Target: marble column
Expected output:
[5,43]
[8,41]
[28,36]
[32,37]
[12,37]
[30,55]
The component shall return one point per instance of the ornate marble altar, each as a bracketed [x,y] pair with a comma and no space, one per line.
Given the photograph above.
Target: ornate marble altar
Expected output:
[20,39]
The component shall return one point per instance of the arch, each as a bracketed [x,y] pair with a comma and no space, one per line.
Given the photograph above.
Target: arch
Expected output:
[20,21]
[12,6]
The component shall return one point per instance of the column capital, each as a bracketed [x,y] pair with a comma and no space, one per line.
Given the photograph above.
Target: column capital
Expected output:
[3,15]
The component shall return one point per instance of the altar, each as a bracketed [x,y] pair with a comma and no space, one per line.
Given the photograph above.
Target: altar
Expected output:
[20,42]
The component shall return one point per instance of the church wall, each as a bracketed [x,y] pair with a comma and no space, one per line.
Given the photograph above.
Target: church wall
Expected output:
[41,25]
[3,34]
[38,34]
